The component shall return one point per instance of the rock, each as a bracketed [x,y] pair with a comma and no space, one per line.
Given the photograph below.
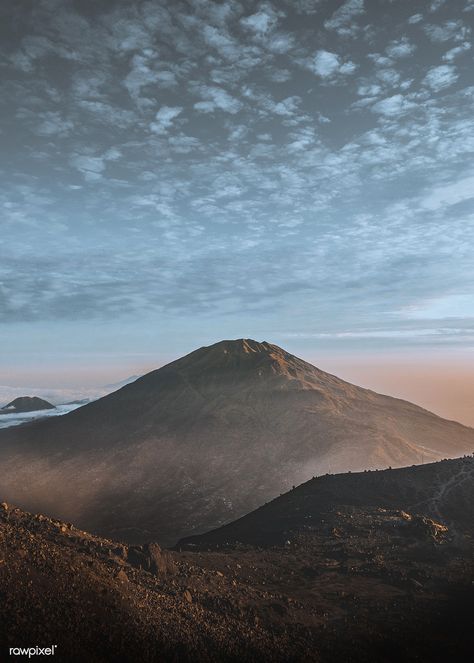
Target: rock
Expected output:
[426,527]
[119,551]
[150,557]
[137,558]
[161,562]
[122,576]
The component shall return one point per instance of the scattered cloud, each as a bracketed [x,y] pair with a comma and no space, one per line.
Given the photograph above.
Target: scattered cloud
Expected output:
[51,123]
[450,194]
[164,119]
[343,19]
[400,48]
[216,98]
[453,30]
[261,22]
[415,19]
[457,51]
[453,305]
[441,77]
[393,106]
[327,64]
[395,334]
[91,167]
[436,4]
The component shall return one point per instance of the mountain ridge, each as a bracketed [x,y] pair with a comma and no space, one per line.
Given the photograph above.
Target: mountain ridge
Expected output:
[443,490]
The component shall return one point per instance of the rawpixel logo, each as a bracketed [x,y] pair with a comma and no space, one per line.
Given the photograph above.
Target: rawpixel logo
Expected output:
[33,651]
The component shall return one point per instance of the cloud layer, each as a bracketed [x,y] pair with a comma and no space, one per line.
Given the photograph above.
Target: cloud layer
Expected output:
[298,167]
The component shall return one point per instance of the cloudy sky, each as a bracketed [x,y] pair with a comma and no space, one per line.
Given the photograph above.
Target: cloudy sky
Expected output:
[299,171]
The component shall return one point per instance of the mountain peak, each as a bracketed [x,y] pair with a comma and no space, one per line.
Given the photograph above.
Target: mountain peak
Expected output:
[245,346]
[242,345]
[241,357]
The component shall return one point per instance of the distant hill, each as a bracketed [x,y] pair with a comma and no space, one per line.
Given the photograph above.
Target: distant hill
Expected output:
[62,396]
[444,491]
[208,438]
[26,404]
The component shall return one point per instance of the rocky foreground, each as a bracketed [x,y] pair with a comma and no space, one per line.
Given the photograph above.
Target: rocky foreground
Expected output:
[362,584]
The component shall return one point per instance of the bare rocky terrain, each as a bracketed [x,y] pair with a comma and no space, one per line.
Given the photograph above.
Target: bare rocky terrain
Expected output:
[334,578]
[443,491]
[208,438]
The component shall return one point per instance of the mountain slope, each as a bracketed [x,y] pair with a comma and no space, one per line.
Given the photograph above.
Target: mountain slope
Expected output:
[363,584]
[444,491]
[208,438]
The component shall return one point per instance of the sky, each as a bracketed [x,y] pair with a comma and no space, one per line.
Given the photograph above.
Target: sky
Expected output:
[172,174]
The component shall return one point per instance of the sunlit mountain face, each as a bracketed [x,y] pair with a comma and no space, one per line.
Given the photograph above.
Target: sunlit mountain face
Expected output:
[300,170]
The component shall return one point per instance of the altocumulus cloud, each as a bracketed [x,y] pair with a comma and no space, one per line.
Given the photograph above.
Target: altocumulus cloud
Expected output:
[288,164]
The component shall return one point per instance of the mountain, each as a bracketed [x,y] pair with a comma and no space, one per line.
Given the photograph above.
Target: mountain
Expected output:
[360,582]
[26,404]
[443,490]
[208,438]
